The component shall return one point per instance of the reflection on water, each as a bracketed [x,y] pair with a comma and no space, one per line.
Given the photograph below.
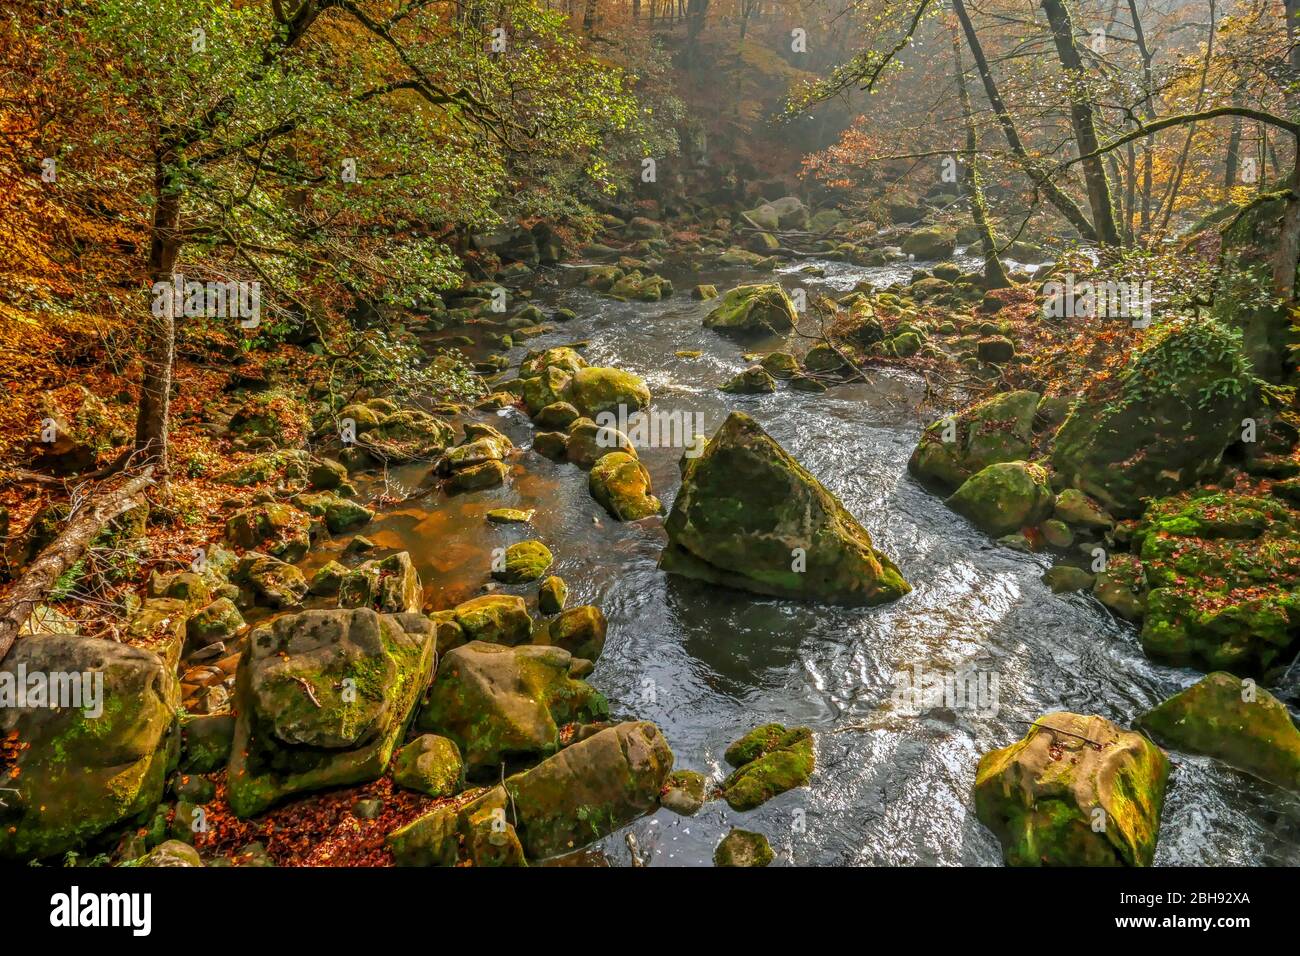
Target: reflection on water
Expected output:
[707,664]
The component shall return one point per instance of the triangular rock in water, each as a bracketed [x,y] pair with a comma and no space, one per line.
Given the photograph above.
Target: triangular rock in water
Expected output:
[749,516]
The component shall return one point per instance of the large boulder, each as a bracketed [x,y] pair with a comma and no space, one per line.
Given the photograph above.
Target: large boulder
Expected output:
[1004,498]
[996,430]
[502,703]
[1241,724]
[408,435]
[590,789]
[594,391]
[1075,791]
[749,516]
[322,698]
[1179,405]
[931,242]
[98,760]
[753,309]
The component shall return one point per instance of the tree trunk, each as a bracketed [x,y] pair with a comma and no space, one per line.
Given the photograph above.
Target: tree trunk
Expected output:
[43,573]
[1232,161]
[1083,121]
[1064,204]
[159,341]
[995,275]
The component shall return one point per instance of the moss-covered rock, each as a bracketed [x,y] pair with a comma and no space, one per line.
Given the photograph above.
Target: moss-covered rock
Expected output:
[206,742]
[552,595]
[522,562]
[1079,511]
[999,429]
[753,309]
[683,792]
[590,789]
[279,530]
[408,435]
[589,442]
[428,840]
[579,630]
[390,585]
[931,242]
[781,365]
[485,474]
[593,391]
[430,764]
[73,771]
[563,357]
[557,416]
[751,517]
[286,467]
[754,380]
[622,486]
[218,621]
[743,848]
[504,703]
[322,698]
[1178,405]
[1075,791]
[1004,498]
[769,760]
[325,582]
[494,619]
[168,853]
[270,581]
[339,514]
[1243,725]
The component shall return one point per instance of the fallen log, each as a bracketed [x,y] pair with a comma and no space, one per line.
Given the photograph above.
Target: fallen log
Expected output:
[84,525]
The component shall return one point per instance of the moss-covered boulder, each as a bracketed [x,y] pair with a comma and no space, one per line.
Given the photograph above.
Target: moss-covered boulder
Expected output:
[279,530]
[754,380]
[217,621]
[485,474]
[552,595]
[589,442]
[743,848]
[563,357]
[166,854]
[1239,723]
[590,789]
[285,467]
[494,619]
[996,430]
[1079,511]
[1166,424]
[684,792]
[780,365]
[322,698]
[1222,578]
[430,764]
[749,516]
[390,585]
[91,751]
[1004,498]
[593,391]
[408,435]
[753,309]
[339,514]
[429,840]
[522,562]
[931,242]
[505,703]
[579,630]
[557,416]
[622,486]
[547,387]
[1075,791]
[270,581]
[769,760]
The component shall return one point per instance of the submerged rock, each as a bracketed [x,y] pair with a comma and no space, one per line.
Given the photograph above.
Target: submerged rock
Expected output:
[79,770]
[749,516]
[1243,725]
[752,309]
[589,789]
[322,698]
[1076,791]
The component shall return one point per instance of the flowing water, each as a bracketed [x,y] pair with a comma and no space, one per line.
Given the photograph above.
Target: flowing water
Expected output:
[707,664]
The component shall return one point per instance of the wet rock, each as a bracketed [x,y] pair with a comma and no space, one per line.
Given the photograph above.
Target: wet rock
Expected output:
[522,562]
[825,358]
[589,789]
[769,760]
[594,391]
[390,586]
[579,630]
[552,445]
[82,769]
[1241,724]
[431,765]
[752,381]
[780,365]
[1004,498]
[322,698]
[704,292]
[551,385]
[510,516]
[556,417]
[683,792]
[494,619]
[502,703]
[487,474]
[622,486]
[588,442]
[753,309]
[751,517]
[1075,791]
[1056,533]
[743,848]
[562,357]
[552,595]
[1063,578]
